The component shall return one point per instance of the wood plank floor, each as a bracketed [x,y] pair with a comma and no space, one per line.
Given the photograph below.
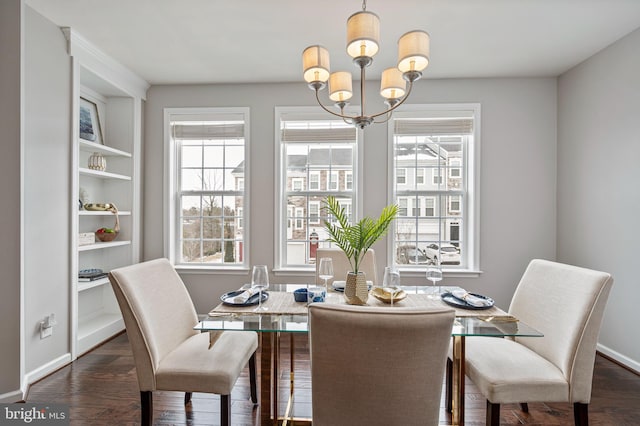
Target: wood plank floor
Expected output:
[101,389]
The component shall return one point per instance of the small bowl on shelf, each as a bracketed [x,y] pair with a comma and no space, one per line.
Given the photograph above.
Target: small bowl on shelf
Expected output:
[105,237]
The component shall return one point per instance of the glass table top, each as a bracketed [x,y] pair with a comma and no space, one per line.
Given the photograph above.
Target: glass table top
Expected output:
[474,323]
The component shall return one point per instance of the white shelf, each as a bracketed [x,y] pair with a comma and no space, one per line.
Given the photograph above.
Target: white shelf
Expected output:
[105,175]
[100,245]
[86,285]
[103,149]
[103,213]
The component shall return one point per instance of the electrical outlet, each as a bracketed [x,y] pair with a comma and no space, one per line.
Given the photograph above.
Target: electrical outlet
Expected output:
[45,331]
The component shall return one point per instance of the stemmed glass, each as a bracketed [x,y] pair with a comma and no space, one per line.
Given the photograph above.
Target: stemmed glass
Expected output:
[325,270]
[434,274]
[391,281]
[260,282]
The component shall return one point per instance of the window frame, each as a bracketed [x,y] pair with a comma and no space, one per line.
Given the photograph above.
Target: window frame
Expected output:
[171,187]
[280,234]
[470,265]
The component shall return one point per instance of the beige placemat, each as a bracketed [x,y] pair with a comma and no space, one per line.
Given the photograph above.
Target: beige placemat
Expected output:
[280,302]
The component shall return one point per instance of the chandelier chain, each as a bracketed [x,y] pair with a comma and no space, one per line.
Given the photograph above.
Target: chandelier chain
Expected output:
[364,4]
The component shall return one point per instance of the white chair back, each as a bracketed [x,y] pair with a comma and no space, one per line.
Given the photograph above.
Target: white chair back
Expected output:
[566,303]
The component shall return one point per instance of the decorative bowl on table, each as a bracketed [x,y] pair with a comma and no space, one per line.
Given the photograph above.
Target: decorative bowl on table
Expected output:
[300,295]
[383,294]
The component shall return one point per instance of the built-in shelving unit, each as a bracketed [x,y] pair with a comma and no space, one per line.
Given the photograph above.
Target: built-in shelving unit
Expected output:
[117,95]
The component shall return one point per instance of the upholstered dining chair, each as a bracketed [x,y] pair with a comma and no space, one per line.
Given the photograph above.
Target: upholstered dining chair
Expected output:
[565,303]
[169,355]
[377,366]
[341,265]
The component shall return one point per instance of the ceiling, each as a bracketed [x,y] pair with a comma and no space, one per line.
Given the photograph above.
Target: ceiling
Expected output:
[245,41]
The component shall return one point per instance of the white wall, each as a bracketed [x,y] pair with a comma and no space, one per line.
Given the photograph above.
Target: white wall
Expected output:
[47,179]
[518,175]
[11,27]
[598,182]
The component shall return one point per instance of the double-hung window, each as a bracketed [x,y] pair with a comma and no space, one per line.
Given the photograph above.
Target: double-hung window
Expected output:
[317,158]
[437,214]
[207,159]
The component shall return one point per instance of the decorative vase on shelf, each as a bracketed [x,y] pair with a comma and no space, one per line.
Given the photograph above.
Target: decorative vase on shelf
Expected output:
[356,291]
[97,162]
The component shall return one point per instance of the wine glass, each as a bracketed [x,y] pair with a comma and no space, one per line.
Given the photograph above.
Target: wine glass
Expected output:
[260,281]
[434,274]
[391,281]
[325,270]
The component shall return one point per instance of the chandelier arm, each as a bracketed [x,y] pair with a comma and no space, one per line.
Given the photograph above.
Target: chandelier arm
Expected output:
[343,116]
[404,98]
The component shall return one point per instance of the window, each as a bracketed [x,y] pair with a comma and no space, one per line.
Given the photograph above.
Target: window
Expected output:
[430,206]
[314,212]
[207,155]
[348,180]
[297,184]
[314,181]
[311,145]
[401,176]
[333,181]
[442,141]
[437,176]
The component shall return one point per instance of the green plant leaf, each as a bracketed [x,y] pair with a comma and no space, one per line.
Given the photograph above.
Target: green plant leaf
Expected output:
[355,239]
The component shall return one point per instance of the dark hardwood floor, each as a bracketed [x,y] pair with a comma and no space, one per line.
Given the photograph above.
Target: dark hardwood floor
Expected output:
[101,389]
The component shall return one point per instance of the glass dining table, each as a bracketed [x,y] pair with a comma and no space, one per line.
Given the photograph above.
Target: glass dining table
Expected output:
[286,316]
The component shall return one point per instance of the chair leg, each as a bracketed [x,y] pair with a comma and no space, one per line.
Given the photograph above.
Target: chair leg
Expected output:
[493,414]
[581,414]
[146,408]
[225,410]
[524,407]
[187,398]
[252,379]
[448,390]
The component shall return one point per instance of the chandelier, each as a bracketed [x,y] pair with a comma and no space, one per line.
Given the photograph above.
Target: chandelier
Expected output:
[363,33]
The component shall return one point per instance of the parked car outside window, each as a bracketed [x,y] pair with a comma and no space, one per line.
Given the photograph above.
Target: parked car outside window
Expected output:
[410,255]
[447,255]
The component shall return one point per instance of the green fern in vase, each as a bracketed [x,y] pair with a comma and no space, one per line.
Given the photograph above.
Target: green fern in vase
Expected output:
[354,240]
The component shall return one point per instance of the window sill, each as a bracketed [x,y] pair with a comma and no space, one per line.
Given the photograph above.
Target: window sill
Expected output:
[209,269]
[295,272]
[447,273]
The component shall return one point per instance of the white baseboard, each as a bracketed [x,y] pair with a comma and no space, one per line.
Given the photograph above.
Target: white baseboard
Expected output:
[10,397]
[48,368]
[624,360]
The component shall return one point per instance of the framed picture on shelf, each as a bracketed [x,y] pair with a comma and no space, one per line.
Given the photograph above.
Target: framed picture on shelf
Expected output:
[89,122]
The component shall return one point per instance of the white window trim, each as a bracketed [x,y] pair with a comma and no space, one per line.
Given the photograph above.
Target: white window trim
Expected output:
[314,203]
[435,206]
[346,180]
[298,216]
[333,184]
[170,204]
[279,231]
[472,212]
[404,176]
[299,181]
[451,209]
[315,174]
[436,176]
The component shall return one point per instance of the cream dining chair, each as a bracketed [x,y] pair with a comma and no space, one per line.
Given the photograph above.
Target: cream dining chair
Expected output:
[341,265]
[565,303]
[169,355]
[377,366]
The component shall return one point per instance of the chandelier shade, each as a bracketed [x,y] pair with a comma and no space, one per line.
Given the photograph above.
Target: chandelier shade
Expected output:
[363,34]
[363,39]
[392,84]
[413,51]
[315,63]
[340,86]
